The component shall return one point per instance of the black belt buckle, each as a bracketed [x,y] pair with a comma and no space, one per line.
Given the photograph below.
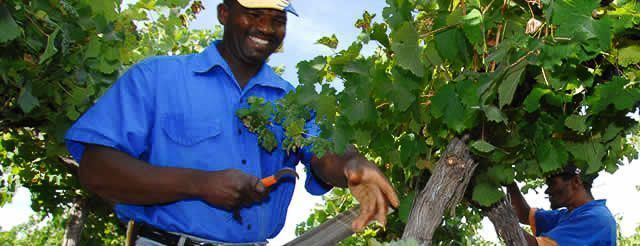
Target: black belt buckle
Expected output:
[157,235]
[190,242]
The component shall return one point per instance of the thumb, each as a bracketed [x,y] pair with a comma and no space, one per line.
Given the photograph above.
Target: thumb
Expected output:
[354,177]
[260,187]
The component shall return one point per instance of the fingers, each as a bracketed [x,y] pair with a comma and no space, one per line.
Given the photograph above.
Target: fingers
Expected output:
[255,191]
[381,205]
[389,193]
[367,211]
[373,175]
[374,192]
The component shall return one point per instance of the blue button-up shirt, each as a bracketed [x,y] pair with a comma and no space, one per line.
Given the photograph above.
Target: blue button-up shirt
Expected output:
[179,111]
[589,224]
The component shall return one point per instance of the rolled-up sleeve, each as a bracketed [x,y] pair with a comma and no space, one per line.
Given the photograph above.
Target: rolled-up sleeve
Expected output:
[545,220]
[120,119]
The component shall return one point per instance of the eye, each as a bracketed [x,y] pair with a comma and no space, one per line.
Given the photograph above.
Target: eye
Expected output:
[280,21]
[253,14]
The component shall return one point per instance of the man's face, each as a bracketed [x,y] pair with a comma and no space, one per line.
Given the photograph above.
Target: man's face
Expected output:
[252,35]
[560,191]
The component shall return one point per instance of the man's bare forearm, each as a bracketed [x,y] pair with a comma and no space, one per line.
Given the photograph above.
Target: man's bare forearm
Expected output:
[519,203]
[531,240]
[330,168]
[116,176]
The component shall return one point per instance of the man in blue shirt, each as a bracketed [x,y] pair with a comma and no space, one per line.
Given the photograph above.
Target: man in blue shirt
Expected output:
[165,145]
[582,221]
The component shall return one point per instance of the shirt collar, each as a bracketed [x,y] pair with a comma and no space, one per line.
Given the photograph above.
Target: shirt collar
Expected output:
[211,57]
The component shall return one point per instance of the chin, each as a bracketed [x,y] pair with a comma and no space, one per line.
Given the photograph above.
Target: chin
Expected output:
[256,58]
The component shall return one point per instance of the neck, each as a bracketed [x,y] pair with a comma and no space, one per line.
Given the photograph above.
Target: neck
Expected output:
[580,199]
[242,71]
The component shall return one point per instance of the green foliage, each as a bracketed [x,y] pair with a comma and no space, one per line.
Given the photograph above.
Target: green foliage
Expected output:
[47,231]
[531,100]
[57,58]
[331,42]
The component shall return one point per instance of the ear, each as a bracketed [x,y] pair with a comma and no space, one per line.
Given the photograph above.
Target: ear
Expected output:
[223,13]
[576,181]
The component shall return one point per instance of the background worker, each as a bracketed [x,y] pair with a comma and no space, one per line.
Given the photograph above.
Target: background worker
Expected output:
[575,219]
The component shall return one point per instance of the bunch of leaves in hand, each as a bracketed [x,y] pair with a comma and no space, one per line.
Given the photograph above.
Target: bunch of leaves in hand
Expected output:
[261,116]
[257,119]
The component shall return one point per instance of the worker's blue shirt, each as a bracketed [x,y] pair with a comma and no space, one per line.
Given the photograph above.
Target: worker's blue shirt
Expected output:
[589,224]
[180,111]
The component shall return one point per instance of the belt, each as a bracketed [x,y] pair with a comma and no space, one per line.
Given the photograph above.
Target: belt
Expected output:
[171,239]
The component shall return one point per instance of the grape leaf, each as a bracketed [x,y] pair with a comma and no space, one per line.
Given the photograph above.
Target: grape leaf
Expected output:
[10,30]
[576,123]
[51,49]
[509,84]
[532,102]
[401,91]
[483,146]
[331,42]
[486,194]
[397,12]
[551,155]
[494,114]
[501,174]
[358,111]
[473,28]
[629,55]
[590,152]
[405,207]
[452,46]
[105,8]
[326,107]
[404,42]
[613,92]
[446,104]
[310,72]
[26,100]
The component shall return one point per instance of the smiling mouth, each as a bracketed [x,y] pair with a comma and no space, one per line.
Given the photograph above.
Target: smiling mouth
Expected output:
[259,41]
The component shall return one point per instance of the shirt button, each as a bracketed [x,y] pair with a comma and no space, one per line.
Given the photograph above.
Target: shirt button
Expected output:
[249,227]
[239,131]
[244,161]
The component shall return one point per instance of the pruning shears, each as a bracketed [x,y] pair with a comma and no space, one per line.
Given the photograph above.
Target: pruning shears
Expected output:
[273,179]
[270,181]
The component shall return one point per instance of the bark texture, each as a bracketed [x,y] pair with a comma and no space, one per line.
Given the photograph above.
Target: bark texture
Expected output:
[444,190]
[330,232]
[77,217]
[506,223]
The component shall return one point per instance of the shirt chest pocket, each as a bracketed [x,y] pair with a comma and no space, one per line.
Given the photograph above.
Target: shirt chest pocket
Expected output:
[190,131]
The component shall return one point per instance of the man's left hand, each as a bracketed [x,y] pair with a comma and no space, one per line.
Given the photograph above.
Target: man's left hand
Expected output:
[372,189]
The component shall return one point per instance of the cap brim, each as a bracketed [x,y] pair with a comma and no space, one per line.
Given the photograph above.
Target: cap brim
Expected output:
[274,4]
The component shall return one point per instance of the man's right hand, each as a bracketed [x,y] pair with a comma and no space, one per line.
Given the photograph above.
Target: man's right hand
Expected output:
[118,177]
[230,189]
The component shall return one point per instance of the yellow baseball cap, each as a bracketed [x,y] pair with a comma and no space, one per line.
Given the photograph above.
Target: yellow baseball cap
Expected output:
[282,5]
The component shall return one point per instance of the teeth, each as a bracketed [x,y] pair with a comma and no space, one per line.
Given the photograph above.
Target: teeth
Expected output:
[259,41]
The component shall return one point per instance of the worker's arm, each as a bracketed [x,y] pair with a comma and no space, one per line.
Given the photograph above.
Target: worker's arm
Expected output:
[519,203]
[531,240]
[367,184]
[116,176]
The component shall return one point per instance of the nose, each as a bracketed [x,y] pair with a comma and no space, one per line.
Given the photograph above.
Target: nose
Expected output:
[265,25]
